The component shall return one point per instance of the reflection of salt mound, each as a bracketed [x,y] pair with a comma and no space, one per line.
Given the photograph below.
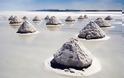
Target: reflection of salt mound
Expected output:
[108,18]
[69,19]
[11,18]
[26,27]
[53,21]
[15,20]
[47,17]
[91,31]
[102,23]
[36,18]
[71,56]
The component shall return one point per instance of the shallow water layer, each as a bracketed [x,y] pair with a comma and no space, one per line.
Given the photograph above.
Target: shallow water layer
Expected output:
[23,56]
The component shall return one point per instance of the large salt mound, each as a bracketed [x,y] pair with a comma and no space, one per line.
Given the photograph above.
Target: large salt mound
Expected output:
[26,27]
[102,23]
[69,19]
[15,20]
[91,31]
[71,55]
[53,21]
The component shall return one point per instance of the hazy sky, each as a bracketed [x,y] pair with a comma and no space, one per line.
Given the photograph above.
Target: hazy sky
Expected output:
[60,4]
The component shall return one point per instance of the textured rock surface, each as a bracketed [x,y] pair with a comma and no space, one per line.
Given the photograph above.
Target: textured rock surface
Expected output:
[69,19]
[102,23]
[71,56]
[26,27]
[53,21]
[91,31]
[36,18]
[15,20]
[108,18]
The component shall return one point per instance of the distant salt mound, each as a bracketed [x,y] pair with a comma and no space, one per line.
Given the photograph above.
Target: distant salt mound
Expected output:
[26,27]
[25,18]
[15,21]
[80,17]
[85,16]
[47,18]
[11,18]
[69,19]
[53,21]
[108,18]
[70,55]
[91,31]
[102,23]
[36,18]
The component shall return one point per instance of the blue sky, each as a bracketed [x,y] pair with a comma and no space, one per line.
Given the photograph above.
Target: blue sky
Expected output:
[60,4]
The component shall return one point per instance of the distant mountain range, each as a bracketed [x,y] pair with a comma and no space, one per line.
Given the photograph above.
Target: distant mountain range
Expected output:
[73,10]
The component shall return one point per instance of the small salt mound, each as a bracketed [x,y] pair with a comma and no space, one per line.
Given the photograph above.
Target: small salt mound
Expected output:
[80,17]
[53,21]
[11,18]
[69,19]
[36,18]
[26,27]
[91,31]
[108,18]
[102,23]
[15,20]
[47,17]
[25,18]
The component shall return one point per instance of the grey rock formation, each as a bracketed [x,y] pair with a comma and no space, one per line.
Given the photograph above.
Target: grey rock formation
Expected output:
[69,19]
[91,31]
[36,18]
[15,20]
[26,27]
[102,23]
[108,18]
[53,21]
[71,55]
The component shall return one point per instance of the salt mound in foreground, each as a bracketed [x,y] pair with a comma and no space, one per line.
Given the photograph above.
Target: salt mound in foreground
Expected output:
[102,23]
[26,27]
[108,18]
[71,55]
[69,19]
[15,20]
[91,31]
[53,21]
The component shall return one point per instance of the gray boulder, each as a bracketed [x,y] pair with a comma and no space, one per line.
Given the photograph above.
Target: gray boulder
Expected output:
[15,20]
[71,55]
[91,31]
[26,27]
[36,18]
[69,19]
[108,18]
[53,21]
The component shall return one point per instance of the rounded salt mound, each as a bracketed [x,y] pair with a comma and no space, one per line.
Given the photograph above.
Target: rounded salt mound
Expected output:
[70,55]
[11,18]
[102,23]
[15,20]
[80,17]
[47,18]
[53,21]
[69,19]
[91,31]
[26,27]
